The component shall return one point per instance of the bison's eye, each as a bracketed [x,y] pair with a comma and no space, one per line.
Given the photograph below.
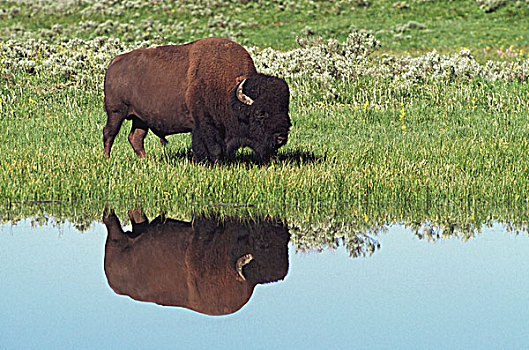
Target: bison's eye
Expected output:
[261,115]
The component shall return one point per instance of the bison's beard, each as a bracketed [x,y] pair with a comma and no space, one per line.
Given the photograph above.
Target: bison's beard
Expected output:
[264,152]
[265,142]
[266,155]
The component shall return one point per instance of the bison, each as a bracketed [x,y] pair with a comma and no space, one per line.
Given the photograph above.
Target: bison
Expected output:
[207,265]
[208,87]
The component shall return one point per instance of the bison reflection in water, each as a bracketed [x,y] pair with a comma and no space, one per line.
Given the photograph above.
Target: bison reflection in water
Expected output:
[207,265]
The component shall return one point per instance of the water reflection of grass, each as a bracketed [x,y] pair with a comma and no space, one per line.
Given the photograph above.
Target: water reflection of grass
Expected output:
[356,226]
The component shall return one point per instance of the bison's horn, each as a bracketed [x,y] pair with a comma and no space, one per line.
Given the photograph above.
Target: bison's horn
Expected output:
[242,97]
[241,262]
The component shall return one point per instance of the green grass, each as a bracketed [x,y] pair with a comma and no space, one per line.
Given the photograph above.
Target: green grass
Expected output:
[440,143]
[450,25]
[383,151]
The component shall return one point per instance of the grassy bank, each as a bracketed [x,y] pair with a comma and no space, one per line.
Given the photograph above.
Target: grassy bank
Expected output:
[457,141]
[371,125]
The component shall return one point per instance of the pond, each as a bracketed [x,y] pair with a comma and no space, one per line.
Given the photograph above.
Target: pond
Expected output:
[225,283]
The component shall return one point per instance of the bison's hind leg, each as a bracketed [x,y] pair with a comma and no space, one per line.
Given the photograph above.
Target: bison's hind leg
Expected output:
[111,129]
[137,136]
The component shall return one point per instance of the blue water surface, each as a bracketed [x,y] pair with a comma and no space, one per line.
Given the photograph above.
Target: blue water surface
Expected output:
[410,293]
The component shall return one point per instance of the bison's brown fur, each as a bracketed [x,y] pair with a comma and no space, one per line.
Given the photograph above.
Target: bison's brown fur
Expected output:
[192,88]
[194,265]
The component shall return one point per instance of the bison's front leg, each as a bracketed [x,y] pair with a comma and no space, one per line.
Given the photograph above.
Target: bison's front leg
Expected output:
[207,144]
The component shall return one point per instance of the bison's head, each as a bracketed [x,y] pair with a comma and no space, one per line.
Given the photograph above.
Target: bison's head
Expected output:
[261,252]
[260,103]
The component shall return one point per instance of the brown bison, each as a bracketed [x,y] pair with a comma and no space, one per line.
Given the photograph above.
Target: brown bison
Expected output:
[206,265]
[209,87]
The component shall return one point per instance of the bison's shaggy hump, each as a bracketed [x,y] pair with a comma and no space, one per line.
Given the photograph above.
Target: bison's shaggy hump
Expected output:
[208,87]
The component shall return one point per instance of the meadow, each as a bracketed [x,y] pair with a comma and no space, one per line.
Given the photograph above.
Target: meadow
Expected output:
[406,111]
